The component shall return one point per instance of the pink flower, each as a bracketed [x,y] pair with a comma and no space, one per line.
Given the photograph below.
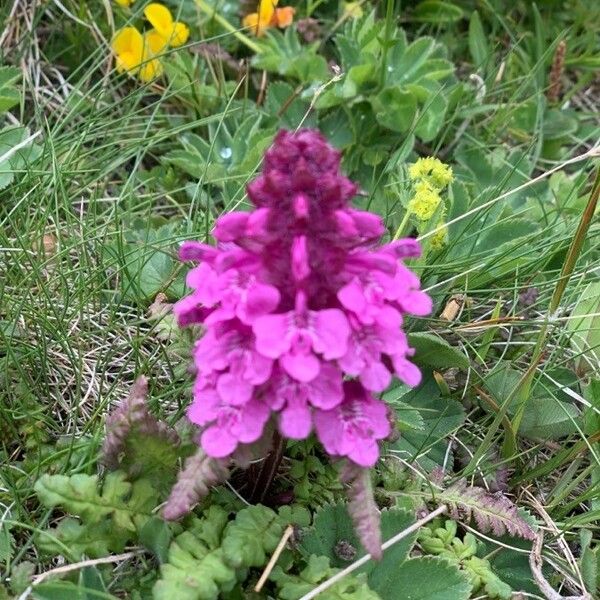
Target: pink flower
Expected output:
[297,338]
[294,399]
[296,296]
[354,427]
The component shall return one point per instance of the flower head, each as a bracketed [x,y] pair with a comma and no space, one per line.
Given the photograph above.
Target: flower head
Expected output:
[173,33]
[268,15]
[432,171]
[124,3]
[295,298]
[135,52]
[425,201]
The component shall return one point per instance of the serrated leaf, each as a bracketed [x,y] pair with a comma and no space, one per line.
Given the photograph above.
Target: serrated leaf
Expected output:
[9,96]
[332,535]
[425,578]
[81,495]
[91,540]
[433,351]
[294,587]
[395,108]
[253,535]
[137,443]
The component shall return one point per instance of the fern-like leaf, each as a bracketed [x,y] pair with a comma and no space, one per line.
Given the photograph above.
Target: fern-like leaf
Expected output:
[493,513]
[199,474]
[132,416]
[362,508]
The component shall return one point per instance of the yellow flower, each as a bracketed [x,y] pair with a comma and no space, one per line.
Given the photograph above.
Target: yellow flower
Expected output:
[425,201]
[439,239]
[174,33]
[433,171]
[134,53]
[268,16]
[124,3]
[353,10]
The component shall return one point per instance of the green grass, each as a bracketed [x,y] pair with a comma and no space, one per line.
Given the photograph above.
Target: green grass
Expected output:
[74,326]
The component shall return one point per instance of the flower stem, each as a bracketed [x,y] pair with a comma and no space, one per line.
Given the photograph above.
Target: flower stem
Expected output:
[211,12]
[266,471]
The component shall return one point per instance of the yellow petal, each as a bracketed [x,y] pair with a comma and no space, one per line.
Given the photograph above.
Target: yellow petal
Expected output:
[160,18]
[127,39]
[124,3]
[127,62]
[150,70]
[266,8]
[180,34]
[155,43]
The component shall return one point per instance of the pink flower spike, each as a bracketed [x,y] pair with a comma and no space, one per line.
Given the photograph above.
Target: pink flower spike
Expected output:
[297,296]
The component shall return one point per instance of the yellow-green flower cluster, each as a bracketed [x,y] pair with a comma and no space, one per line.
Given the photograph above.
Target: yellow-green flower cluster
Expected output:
[432,171]
[430,177]
[439,239]
[425,201]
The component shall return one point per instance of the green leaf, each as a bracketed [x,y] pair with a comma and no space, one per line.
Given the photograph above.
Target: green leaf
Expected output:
[478,45]
[155,535]
[413,58]
[433,108]
[253,534]
[9,96]
[437,12]
[283,100]
[67,590]
[433,351]
[502,233]
[584,327]
[293,587]
[425,578]
[92,540]
[193,572]
[441,416]
[395,109]
[80,494]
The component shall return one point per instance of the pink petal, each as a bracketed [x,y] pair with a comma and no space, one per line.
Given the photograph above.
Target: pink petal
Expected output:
[364,453]
[375,377]
[218,442]
[406,371]
[272,337]
[416,303]
[230,226]
[234,390]
[332,330]
[300,265]
[352,296]
[261,300]
[197,251]
[295,421]
[329,429]
[254,416]
[301,366]
[325,391]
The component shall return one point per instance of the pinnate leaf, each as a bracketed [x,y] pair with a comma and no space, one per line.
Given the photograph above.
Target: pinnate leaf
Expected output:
[493,513]
[362,508]
[199,474]
[138,443]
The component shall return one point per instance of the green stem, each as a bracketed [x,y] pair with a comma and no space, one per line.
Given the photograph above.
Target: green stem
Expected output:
[213,14]
[565,275]
[402,225]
